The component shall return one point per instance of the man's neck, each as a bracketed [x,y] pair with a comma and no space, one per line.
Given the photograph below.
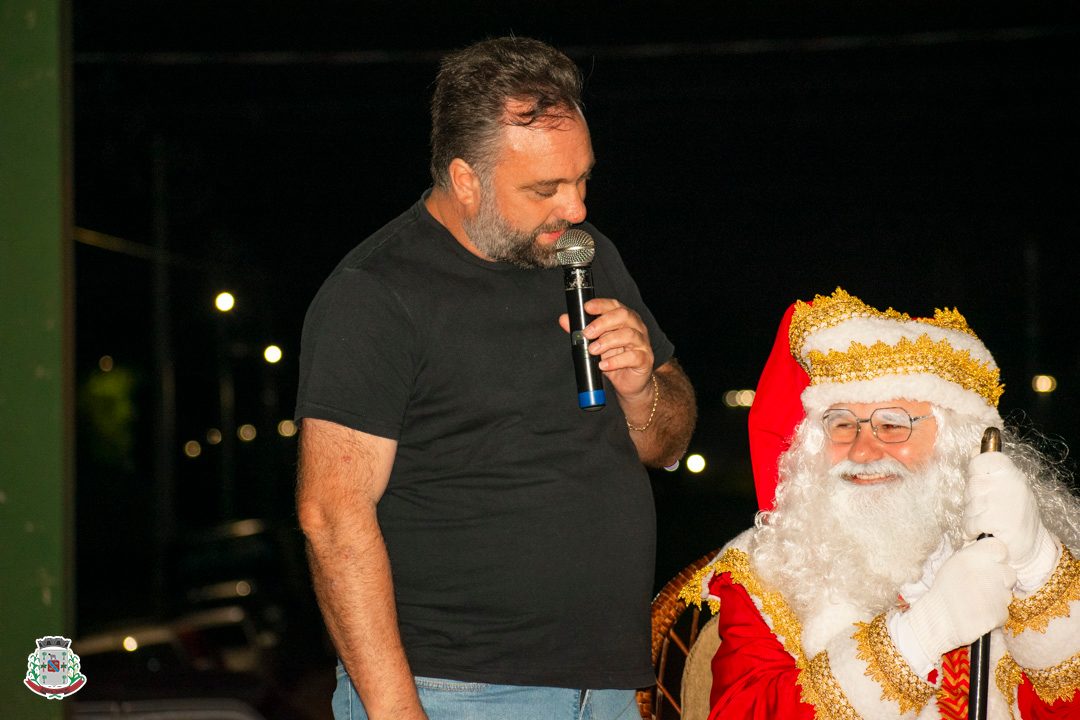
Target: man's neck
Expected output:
[449,213]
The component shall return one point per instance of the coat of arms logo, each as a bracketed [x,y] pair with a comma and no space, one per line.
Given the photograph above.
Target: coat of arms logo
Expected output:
[52,671]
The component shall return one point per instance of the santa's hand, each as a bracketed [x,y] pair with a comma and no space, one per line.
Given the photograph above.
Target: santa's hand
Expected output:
[970,596]
[999,502]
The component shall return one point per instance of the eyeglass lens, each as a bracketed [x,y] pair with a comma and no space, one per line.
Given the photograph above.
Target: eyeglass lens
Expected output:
[889,425]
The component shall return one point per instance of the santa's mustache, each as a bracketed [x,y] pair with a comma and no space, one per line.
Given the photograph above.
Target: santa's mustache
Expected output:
[846,469]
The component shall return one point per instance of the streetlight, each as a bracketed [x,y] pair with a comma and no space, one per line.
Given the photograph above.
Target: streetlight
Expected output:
[225,302]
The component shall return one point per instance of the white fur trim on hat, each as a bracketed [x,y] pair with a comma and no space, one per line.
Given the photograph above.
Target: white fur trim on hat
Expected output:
[916,388]
[871,330]
[853,353]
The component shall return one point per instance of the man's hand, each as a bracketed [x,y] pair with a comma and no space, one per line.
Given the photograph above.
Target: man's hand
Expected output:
[999,501]
[970,596]
[665,411]
[619,336]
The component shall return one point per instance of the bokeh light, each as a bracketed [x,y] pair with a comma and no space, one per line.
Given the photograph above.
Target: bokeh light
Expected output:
[224,301]
[1044,383]
[739,398]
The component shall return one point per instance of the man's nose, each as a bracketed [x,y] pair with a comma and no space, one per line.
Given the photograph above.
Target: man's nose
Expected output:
[572,205]
[866,447]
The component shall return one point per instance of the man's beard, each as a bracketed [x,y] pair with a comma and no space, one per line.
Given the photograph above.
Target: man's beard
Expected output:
[498,240]
[857,544]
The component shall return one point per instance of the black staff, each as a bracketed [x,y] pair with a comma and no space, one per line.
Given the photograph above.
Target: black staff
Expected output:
[980,649]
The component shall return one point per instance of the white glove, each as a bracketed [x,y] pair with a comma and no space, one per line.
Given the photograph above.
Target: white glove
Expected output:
[970,596]
[912,591]
[999,501]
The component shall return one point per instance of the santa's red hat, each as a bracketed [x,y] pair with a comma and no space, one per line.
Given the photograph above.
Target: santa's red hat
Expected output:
[836,349]
[775,413]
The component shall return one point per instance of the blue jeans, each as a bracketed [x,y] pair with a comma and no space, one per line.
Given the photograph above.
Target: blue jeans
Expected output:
[457,700]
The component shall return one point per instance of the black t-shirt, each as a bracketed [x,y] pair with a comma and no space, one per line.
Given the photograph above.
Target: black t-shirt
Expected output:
[520,529]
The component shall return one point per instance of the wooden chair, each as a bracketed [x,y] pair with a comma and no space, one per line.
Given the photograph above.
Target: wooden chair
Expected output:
[674,631]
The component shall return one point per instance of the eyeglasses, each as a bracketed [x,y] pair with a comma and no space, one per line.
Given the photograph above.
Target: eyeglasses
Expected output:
[889,425]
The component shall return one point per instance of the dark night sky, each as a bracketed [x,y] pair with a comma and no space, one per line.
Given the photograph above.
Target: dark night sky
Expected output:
[918,154]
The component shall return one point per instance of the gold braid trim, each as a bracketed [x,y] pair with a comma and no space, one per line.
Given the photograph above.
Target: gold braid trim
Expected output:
[1056,683]
[1008,676]
[1051,601]
[785,624]
[818,686]
[906,357]
[691,592]
[826,311]
[820,689]
[1051,684]
[829,311]
[887,667]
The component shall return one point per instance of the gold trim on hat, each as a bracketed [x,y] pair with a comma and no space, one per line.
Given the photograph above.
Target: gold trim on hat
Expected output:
[906,357]
[829,311]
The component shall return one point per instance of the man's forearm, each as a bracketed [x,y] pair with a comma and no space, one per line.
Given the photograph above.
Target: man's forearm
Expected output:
[352,579]
[668,433]
[342,475]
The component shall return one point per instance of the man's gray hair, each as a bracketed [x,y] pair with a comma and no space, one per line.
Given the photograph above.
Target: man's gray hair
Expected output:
[469,105]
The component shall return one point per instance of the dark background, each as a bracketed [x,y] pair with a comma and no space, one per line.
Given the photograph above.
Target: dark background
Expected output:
[920,155]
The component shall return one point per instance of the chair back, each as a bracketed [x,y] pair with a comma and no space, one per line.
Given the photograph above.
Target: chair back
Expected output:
[674,631]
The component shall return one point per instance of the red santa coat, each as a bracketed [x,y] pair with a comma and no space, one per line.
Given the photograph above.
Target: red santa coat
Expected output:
[760,671]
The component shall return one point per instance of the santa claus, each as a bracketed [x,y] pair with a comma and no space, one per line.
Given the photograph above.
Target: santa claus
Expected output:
[862,583]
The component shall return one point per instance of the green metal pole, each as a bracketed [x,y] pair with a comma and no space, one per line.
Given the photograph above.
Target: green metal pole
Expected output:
[36,346]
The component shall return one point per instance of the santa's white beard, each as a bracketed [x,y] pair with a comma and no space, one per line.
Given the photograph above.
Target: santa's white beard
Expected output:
[891,527]
[832,539]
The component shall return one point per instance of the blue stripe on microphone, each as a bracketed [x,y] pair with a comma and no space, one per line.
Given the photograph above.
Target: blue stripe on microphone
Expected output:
[591,398]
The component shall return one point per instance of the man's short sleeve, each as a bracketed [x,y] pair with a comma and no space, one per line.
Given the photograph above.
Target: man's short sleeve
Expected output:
[356,355]
[622,287]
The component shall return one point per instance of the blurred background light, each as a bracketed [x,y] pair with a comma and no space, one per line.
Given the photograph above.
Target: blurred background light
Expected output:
[192,448]
[224,301]
[739,398]
[272,353]
[695,463]
[213,436]
[286,428]
[1044,383]
[246,432]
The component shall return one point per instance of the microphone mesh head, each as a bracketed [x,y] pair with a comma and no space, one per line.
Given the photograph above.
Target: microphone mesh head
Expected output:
[575,248]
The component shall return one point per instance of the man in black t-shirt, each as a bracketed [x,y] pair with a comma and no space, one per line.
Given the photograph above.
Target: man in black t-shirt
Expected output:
[480,547]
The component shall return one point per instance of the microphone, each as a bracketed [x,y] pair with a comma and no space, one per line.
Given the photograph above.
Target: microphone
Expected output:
[575,250]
